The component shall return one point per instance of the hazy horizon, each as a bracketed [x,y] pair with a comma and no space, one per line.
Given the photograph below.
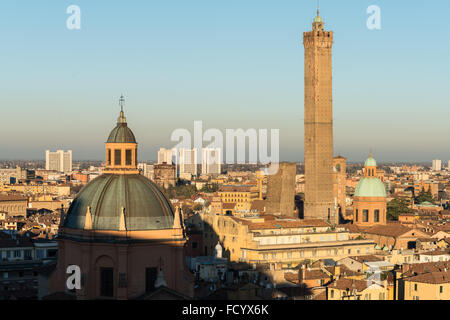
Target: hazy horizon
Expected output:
[232,65]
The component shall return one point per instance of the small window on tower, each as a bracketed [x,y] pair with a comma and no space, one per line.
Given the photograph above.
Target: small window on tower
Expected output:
[109,157]
[377,215]
[365,215]
[128,157]
[117,157]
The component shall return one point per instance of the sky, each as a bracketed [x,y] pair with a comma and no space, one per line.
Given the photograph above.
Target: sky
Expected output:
[231,64]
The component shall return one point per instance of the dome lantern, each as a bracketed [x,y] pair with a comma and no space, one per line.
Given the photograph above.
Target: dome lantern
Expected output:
[318,22]
[121,147]
[370,167]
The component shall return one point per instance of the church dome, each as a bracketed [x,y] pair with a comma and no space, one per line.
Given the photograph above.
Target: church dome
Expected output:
[370,187]
[121,199]
[146,208]
[121,134]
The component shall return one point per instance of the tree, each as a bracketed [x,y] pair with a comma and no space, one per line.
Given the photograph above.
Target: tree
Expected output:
[187,211]
[210,188]
[396,207]
[424,196]
[186,191]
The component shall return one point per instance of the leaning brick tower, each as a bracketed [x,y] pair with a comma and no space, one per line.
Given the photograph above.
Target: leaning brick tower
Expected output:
[319,201]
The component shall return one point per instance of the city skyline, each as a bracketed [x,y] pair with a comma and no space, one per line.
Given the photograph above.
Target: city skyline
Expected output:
[172,71]
[253,197]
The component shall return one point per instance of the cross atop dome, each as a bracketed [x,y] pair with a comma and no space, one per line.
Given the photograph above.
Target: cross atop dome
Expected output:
[121,118]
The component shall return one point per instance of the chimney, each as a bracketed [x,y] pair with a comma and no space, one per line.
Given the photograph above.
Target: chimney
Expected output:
[61,218]
[303,272]
[337,271]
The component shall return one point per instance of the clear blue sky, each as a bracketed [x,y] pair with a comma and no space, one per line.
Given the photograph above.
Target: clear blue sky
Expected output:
[232,64]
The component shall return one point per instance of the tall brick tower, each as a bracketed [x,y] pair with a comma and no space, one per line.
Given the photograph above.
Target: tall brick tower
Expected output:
[319,202]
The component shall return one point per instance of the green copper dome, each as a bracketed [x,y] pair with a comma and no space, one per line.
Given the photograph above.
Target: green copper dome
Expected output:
[370,187]
[146,208]
[121,134]
[370,162]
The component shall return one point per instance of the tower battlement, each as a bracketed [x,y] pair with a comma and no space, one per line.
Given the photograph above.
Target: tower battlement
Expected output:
[317,35]
[321,39]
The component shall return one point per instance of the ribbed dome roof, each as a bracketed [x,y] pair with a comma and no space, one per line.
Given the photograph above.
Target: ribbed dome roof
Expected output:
[370,162]
[121,134]
[370,187]
[146,208]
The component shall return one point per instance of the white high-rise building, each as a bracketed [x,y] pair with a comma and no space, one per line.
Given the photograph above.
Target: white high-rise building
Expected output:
[58,161]
[211,161]
[188,161]
[437,165]
[448,168]
[165,156]
[147,170]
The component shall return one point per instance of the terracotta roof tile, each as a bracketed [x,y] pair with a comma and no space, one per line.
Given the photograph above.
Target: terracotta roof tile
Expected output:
[431,277]
[350,284]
